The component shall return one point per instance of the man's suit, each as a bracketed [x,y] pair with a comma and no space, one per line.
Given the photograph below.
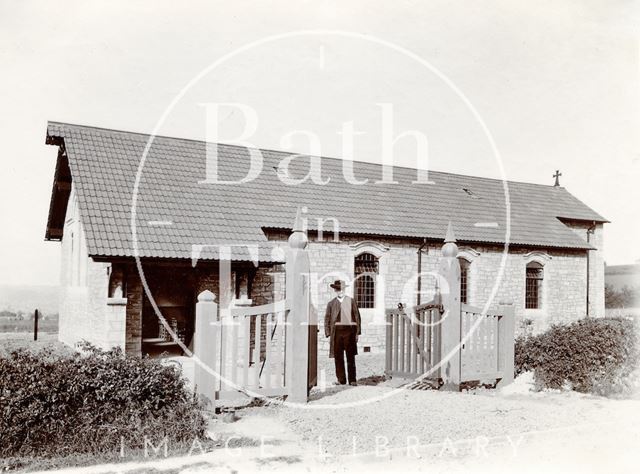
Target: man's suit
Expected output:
[342,325]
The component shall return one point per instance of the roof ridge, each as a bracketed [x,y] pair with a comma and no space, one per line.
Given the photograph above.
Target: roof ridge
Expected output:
[289,153]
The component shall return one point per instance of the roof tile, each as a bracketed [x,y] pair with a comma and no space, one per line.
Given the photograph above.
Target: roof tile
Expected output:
[104,163]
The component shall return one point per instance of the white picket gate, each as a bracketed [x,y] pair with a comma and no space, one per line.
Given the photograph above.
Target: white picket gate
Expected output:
[232,355]
[447,341]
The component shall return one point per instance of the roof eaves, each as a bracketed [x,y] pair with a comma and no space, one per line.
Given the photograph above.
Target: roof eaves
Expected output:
[522,243]
[60,190]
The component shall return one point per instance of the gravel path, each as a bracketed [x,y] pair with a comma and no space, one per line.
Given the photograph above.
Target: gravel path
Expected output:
[367,364]
[434,417]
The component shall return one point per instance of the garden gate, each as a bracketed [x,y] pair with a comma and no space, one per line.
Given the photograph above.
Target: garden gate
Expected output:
[449,342]
[265,350]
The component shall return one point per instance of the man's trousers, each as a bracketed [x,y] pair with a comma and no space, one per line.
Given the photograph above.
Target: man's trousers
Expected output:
[345,343]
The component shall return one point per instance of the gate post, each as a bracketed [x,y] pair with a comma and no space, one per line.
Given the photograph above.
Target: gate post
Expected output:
[297,324]
[206,348]
[449,270]
[506,341]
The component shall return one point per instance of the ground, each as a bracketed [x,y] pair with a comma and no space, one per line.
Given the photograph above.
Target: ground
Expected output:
[24,340]
[367,365]
[431,431]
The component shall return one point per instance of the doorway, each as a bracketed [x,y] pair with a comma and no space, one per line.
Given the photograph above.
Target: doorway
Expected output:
[173,290]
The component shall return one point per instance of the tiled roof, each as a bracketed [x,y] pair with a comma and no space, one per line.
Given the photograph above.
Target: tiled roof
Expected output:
[104,164]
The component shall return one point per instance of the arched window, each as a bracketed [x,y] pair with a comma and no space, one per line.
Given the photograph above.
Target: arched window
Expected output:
[365,273]
[533,285]
[464,280]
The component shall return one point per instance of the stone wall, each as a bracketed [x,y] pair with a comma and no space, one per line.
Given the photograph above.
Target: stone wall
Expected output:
[595,236]
[83,312]
[564,283]
[134,312]
[86,312]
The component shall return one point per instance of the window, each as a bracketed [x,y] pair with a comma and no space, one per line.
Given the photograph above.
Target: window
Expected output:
[117,283]
[533,286]
[464,280]
[365,272]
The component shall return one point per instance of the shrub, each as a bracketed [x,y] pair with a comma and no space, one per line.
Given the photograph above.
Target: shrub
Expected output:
[591,355]
[94,402]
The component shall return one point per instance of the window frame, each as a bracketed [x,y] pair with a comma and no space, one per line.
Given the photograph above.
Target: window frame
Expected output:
[465,280]
[368,278]
[470,255]
[532,282]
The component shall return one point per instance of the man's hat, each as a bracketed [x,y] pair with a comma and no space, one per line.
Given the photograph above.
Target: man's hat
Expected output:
[338,285]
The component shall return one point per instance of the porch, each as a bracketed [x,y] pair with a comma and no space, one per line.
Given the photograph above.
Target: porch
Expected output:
[160,319]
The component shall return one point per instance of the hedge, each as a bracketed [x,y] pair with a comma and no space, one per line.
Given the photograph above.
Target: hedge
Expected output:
[91,402]
[593,355]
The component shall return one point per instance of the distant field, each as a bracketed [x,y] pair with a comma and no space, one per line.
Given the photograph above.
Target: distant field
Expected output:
[13,341]
[21,325]
[635,312]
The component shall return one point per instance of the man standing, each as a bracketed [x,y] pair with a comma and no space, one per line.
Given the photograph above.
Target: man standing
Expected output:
[342,326]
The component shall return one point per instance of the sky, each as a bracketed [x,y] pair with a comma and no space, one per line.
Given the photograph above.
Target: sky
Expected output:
[554,83]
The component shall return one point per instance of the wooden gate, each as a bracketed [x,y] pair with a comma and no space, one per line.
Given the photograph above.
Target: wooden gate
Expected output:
[487,343]
[413,344]
[248,347]
[447,341]
[259,350]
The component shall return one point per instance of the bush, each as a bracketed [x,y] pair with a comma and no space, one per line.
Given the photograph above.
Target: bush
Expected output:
[92,403]
[591,355]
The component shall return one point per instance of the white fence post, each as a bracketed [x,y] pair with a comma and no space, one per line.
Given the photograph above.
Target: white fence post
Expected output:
[506,341]
[297,327]
[206,348]
[449,269]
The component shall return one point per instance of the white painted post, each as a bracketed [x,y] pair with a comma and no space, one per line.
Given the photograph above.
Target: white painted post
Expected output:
[449,269]
[239,343]
[206,348]
[297,327]
[506,341]
[116,333]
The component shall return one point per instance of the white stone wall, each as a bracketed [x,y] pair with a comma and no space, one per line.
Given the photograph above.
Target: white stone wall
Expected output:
[564,284]
[596,263]
[84,313]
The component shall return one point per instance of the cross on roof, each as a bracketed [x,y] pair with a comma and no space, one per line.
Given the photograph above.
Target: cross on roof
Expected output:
[557,176]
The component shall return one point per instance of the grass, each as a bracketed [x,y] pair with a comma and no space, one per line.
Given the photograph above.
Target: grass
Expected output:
[26,326]
[12,341]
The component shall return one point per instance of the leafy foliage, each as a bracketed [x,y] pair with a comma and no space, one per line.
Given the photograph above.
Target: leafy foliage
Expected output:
[626,297]
[96,401]
[591,355]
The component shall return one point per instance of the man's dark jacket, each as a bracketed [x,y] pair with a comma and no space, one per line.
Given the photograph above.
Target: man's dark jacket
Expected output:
[332,316]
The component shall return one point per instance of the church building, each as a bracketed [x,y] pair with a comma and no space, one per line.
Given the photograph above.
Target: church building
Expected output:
[142,227]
